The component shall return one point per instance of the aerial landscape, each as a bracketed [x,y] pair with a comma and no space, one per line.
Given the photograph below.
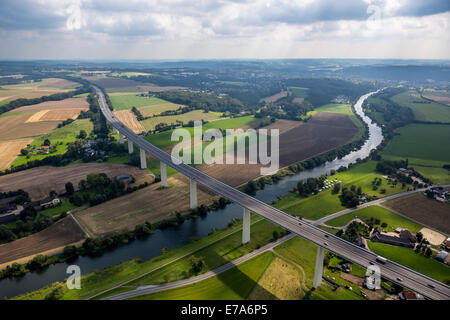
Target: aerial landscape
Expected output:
[135,165]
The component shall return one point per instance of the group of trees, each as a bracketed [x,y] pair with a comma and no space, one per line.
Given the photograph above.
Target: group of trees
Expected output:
[350,197]
[97,188]
[311,185]
[285,109]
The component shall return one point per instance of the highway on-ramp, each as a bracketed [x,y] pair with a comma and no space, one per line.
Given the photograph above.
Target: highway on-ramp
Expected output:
[390,270]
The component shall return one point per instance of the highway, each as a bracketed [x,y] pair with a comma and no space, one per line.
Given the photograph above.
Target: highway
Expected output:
[404,276]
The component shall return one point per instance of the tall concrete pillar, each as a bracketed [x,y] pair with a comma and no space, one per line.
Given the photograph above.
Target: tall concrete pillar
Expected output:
[193,188]
[130,147]
[246,226]
[319,267]
[143,160]
[121,138]
[163,169]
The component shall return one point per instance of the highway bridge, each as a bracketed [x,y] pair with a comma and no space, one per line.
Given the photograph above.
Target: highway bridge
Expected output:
[390,270]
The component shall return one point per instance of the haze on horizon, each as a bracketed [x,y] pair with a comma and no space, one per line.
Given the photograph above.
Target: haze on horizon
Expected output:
[190,29]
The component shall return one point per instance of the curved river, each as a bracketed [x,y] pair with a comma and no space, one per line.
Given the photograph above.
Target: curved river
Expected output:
[178,236]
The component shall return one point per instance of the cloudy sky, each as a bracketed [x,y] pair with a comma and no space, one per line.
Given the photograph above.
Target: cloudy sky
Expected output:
[198,29]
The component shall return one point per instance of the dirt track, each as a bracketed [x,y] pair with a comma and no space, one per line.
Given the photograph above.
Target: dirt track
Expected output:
[38,182]
[9,150]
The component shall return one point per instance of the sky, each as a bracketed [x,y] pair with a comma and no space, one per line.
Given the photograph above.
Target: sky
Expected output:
[224,29]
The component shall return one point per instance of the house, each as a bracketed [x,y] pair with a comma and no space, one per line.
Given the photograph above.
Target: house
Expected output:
[441,256]
[45,203]
[125,178]
[409,295]
[405,239]
[44,148]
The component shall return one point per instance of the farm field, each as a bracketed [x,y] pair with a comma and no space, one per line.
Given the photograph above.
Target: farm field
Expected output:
[58,235]
[55,115]
[114,84]
[324,203]
[413,260]
[234,284]
[59,138]
[438,96]
[9,150]
[70,103]
[149,204]
[157,109]
[127,101]
[427,211]
[341,108]
[299,92]
[14,125]
[393,220]
[149,124]
[424,147]
[423,110]
[32,180]
[38,89]
[129,119]
[281,281]
[275,97]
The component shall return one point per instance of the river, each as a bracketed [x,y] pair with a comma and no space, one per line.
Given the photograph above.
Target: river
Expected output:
[178,236]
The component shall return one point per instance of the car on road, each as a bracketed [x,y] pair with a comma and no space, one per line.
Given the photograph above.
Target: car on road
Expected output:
[326,236]
[431,285]
[371,263]
[299,223]
[399,279]
[325,243]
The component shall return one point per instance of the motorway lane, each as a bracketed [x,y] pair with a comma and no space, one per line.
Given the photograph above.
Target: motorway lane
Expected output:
[392,271]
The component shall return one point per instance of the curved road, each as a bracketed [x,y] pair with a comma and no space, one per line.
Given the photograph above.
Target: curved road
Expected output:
[390,270]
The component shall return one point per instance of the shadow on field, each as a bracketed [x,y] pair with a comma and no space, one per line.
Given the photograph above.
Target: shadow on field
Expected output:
[238,281]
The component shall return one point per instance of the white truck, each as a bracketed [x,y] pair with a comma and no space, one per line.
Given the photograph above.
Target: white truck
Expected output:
[381,259]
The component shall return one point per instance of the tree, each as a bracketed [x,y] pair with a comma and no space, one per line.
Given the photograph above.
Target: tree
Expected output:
[69,188]
[336,188]
[275,235]
[419,236]
[46,142]
[82,134]
[196,264]
[359,190]
[24,152]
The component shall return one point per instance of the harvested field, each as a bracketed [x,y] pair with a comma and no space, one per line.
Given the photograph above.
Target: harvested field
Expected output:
[129,119]
[70,103]
[15,127]
[160,89]
[424,210]
[281,281]
[441,97]
[298,100]
[32,180]
[9,150]
[61,233]
[283,125]
[149,204]
[17,94]
[109,82]
[434,237]
[324,132]
[275,97]
[55,115]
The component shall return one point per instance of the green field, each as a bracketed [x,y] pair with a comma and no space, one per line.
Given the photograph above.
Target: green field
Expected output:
[393,220]
[234,284]
[149,124]
[163,139]
[423,110]
[426,148]
[413,260]
[324,203]
[64,134]
[128,101]
[342,108]
[299,92]
[157,109]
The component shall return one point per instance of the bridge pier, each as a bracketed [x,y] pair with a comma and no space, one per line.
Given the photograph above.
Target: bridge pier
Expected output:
[143,160]
[193,189]
[246,226]
[163,169]
[121,140]
[130,147]
[319,267]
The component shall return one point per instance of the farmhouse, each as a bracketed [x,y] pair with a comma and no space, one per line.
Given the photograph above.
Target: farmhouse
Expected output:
[405,239]
[409,295]
[44,204]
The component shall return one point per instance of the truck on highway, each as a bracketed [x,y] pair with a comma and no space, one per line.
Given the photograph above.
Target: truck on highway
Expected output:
[381,259]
